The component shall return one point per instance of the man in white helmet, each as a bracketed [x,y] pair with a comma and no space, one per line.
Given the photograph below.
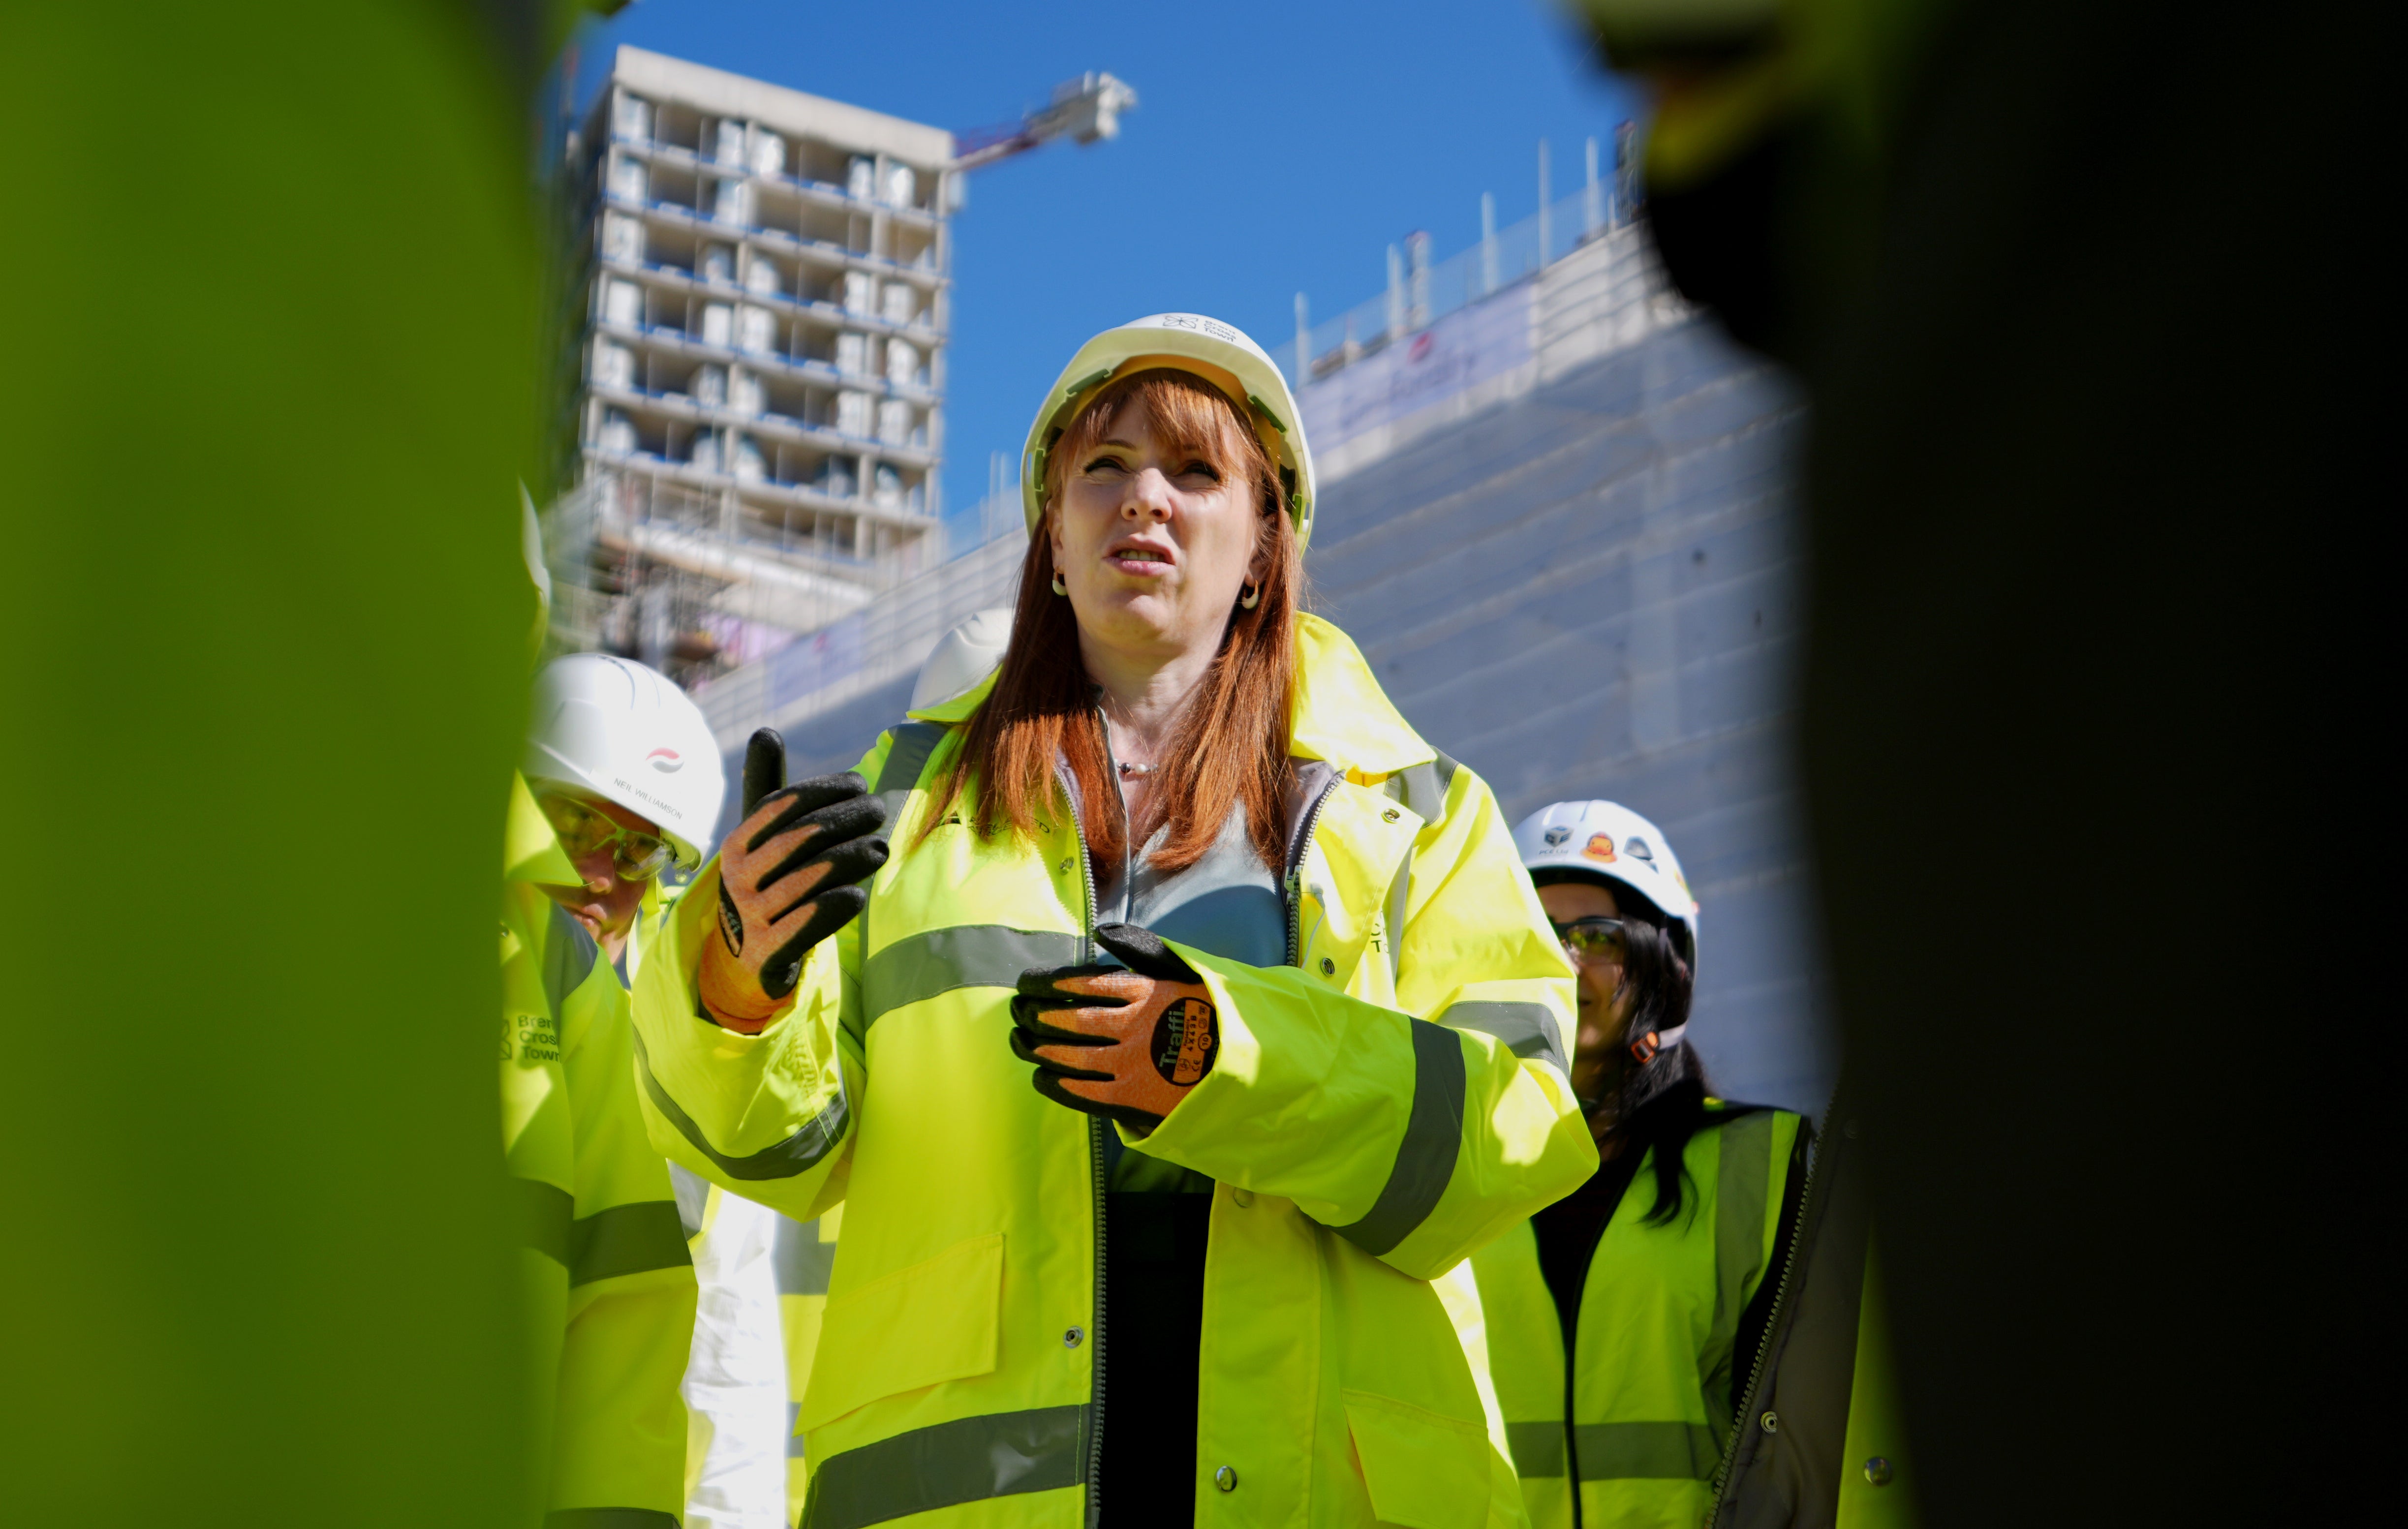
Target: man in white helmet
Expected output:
[620,781]
[626,770]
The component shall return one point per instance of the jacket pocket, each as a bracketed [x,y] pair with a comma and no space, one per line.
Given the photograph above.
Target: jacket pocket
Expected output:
[1424,1471]
[937,1319]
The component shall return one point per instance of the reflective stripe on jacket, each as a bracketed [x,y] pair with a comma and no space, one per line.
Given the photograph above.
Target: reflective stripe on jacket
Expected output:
[806,1253]
[609,1277]
[1661,1313]
[1378,1110]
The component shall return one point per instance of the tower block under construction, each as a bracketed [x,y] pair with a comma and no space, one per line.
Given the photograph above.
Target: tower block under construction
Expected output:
[764,283]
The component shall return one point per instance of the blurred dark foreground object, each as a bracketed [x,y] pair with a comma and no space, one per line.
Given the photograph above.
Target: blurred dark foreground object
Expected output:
[268,395]
[2090,720]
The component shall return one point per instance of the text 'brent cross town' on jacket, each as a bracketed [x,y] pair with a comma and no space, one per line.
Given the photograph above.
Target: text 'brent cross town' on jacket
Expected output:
[1387,1101]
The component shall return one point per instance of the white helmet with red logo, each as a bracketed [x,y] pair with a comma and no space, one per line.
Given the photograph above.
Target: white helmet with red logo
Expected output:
[620,731]
[1611,843]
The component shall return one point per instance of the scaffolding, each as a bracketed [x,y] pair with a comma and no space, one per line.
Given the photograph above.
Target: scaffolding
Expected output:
[1420,293]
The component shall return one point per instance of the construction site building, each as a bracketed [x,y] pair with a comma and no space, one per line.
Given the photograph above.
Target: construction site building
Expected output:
[1555,515]
[761,312]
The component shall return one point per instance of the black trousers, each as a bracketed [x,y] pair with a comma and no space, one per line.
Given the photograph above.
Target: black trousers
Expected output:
[1153,1328]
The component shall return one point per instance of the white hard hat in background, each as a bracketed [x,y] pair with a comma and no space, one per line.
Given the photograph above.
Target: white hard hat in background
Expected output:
[538,572]
[1607,840]
[963,657]
[1219,353]
[629,735]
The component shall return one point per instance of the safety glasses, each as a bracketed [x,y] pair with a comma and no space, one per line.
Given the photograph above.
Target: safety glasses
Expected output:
[583,828]
[1592,942]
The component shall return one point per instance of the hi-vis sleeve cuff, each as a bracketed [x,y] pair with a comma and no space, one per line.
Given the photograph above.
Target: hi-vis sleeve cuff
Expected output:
[765,1115]
[1414,1140]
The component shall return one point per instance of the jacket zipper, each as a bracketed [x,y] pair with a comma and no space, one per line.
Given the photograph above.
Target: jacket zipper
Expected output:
[1747,1396]
[1128,829]
[1296,871]
[1096,1129]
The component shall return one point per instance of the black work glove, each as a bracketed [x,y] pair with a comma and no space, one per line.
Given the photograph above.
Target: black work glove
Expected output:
[1123,1043]
[788,879]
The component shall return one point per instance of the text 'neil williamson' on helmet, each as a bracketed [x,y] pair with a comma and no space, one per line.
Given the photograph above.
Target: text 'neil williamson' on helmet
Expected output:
[625,733]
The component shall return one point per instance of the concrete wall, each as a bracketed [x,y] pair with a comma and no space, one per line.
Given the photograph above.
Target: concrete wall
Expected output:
[1590,590]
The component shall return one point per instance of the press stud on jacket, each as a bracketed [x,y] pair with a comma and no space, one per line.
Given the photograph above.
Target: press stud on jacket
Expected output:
[1382,1106]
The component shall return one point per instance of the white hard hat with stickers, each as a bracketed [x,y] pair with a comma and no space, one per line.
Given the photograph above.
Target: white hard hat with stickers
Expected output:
[625,733]
[1221,354]
[1608,841]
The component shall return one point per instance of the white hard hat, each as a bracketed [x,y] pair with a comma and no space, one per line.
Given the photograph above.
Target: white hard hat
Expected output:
[963,657]
[629,735]
[1608,841]
[1219,353]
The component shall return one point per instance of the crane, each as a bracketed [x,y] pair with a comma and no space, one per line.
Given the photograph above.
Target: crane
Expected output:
[1086,111]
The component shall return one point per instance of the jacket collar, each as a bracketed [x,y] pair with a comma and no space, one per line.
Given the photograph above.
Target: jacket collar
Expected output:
[1341,715]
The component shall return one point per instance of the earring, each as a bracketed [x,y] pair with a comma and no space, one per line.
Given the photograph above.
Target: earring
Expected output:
[1059,587]
[1253,597]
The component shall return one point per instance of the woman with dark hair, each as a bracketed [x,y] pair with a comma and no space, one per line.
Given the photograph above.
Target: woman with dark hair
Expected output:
[1657,1276]
[1291,1011]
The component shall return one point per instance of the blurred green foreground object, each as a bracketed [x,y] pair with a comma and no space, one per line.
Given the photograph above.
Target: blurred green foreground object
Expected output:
[267,398]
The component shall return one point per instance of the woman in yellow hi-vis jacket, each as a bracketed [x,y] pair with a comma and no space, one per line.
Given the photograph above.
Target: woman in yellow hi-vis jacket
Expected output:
[1657,1275]
[1293,1016]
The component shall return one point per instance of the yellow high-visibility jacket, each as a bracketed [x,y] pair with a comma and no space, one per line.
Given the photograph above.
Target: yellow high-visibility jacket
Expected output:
[608,1276]
[1379,1109]
[1653,1381]
[806,1253]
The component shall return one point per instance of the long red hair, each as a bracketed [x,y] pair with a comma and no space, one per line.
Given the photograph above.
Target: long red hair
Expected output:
[1231,742]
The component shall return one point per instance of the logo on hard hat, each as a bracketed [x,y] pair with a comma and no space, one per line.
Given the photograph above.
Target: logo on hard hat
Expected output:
[1201,324]
[1557,835]
[1637,849]
[1600,847]
[667,761]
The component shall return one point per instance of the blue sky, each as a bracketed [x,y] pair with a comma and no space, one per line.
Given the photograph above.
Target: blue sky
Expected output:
[1277,148]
